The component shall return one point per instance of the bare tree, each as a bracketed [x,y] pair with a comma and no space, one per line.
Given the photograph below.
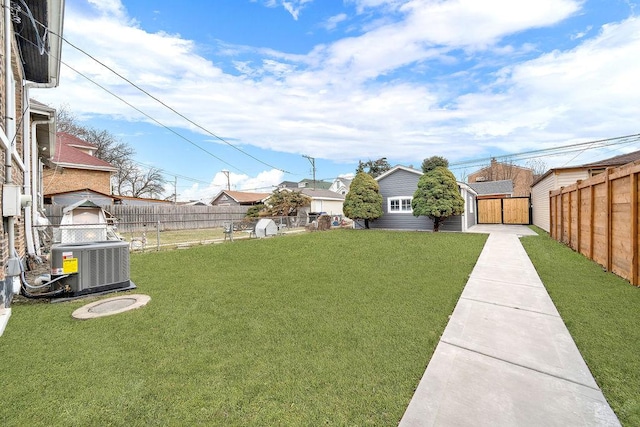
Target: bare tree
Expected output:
[538,166]
[130,180]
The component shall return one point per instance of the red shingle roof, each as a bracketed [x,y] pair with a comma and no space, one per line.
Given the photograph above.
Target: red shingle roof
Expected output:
[69,154]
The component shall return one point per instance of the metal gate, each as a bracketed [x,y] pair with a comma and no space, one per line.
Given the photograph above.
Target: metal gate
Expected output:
[514,210]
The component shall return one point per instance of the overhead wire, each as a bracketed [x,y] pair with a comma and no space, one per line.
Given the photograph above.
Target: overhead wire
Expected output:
[548,152]
[150,95]
[551,152]
[136,86]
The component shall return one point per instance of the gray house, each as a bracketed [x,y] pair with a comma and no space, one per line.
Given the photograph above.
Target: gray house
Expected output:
[397,186]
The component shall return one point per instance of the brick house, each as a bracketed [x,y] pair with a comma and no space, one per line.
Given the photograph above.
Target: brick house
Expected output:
[74,167]
[25,129]
[497,171]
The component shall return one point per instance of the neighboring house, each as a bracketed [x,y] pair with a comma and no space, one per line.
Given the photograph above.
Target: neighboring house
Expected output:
[287,184]
[493,189]
[25,129]
[556,178]
[314,185]
[305,183]
[324,201]
[68,198]
[74,167]
[194,203]
[522,177]
[141,201]
[238,198]
[397,187]
[341,185]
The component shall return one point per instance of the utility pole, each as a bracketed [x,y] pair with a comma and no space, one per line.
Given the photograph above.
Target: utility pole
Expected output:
[226,172]
[312,160]
[175,190]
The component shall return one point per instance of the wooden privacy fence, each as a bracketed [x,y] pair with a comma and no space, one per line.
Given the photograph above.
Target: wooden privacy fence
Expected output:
[139,218]
[598,217]
[513,210]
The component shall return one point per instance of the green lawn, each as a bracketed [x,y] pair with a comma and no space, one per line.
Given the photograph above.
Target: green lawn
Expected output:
[602,312]
[326,328]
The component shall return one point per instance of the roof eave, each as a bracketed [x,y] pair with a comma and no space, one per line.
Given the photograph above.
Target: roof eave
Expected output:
[85,167]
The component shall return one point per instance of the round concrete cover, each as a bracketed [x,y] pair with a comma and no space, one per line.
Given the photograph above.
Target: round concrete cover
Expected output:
[109,306]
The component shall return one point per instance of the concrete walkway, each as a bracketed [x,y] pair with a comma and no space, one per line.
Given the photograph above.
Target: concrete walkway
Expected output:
[506,357]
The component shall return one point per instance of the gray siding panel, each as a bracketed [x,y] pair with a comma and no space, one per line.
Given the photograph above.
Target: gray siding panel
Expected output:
[453,223]
[401,183]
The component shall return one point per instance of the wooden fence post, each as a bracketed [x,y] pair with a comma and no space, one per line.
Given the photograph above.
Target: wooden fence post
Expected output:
[608,232]
[634,228]
[578,214]
[592,217]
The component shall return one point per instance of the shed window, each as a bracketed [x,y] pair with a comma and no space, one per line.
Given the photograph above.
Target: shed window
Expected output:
[399,204]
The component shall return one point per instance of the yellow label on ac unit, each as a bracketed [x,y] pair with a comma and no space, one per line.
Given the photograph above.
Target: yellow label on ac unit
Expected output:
[69,265]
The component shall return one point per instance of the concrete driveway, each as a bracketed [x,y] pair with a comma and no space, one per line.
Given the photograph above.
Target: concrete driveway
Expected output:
[520,230]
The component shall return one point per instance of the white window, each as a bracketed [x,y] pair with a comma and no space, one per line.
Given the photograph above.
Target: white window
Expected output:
[399,204]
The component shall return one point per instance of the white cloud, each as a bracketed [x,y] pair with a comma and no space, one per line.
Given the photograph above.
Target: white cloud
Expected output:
[338,101]
[294,7]
[109,7]
[333,22]
[264,182]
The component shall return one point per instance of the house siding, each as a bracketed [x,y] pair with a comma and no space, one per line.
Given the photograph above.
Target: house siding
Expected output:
[540,194]
[331,207]
[404,183]
[400,183]
[453,223]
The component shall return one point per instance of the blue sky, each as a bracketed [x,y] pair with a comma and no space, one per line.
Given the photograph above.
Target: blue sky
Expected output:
[268,81]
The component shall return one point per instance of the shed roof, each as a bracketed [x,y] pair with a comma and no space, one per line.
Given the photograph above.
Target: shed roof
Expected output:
[484,188]
[243,196]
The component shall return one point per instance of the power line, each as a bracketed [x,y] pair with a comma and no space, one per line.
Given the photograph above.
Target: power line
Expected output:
[550,152]
[167,106]
[155,99]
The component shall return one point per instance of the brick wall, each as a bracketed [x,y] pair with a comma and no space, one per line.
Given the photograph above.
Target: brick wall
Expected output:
[60,180]
[522,177]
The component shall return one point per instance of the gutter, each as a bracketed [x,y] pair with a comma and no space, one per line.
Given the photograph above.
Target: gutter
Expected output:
[30,187]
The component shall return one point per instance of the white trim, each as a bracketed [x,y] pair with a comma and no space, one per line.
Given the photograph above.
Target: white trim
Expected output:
[397,168]
[85,167]
[401,205]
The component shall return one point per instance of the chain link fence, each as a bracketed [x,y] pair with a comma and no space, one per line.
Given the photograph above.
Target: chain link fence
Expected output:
[164,229]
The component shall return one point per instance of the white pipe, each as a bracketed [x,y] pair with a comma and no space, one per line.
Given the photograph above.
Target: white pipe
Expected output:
[30,187]
[8,107]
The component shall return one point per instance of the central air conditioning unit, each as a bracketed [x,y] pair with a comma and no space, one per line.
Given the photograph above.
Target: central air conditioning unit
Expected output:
[89,267]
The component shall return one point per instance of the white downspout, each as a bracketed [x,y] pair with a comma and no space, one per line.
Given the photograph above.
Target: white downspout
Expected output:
[31,179]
